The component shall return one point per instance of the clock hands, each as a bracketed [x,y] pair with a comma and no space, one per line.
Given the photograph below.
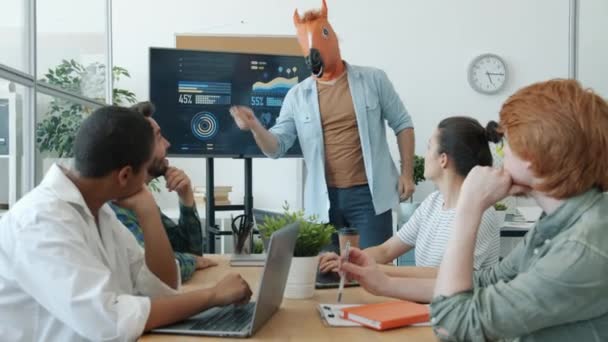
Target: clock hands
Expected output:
[489,77]
[490,74]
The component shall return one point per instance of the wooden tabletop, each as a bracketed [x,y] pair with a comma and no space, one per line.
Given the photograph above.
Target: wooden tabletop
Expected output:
[297,320]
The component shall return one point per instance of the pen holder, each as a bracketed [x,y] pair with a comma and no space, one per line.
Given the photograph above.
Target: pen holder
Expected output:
[241,243]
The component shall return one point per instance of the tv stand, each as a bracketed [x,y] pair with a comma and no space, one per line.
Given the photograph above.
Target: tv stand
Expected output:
[211,228]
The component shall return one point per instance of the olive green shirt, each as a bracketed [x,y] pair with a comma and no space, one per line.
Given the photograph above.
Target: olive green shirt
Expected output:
[552,287]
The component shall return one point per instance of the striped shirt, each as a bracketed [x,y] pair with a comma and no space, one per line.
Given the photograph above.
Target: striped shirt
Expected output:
[430,227]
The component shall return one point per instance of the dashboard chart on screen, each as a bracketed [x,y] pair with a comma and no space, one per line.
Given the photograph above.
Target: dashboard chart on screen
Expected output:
[193,91]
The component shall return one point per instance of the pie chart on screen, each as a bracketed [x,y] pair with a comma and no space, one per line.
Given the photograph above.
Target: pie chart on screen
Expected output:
[204,125]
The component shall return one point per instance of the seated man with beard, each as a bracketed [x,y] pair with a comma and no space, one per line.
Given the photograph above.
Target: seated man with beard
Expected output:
[186,236]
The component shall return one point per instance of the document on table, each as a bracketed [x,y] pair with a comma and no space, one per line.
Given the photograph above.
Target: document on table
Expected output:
[331,315]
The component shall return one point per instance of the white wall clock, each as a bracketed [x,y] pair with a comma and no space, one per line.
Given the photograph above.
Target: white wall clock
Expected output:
[487,73]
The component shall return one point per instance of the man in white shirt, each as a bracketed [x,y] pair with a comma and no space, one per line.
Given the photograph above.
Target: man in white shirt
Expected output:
[70,271]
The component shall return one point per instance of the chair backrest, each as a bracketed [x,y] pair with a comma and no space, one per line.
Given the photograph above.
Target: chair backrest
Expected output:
[406,210]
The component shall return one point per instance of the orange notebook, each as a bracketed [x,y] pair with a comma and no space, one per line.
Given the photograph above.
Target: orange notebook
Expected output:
[388,315]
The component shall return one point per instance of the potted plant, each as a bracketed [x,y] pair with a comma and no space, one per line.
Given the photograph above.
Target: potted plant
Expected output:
[418,169]
[501,212]
[406,209]
[56,131]
[313,236]
[258,246]
[507,204]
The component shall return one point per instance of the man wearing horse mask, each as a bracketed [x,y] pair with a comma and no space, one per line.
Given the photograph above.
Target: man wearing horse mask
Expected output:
[339,114]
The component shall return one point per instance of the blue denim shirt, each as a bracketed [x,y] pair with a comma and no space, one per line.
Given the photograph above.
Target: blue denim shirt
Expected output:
[375,102]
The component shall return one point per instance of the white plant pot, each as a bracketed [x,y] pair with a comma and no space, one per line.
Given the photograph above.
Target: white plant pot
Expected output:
[500,217]
[301,278]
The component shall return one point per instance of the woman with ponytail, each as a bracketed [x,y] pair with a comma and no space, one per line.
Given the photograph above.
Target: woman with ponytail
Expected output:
[457,145]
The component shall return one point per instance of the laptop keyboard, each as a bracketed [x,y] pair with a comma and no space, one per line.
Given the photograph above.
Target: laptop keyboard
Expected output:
[228,318]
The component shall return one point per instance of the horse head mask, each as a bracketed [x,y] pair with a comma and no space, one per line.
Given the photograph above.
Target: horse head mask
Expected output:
[319,44]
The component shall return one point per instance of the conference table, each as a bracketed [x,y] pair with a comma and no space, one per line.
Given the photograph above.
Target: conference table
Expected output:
[296,319]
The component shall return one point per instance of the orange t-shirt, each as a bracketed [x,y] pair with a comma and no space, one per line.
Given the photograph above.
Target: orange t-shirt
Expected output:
[344,165]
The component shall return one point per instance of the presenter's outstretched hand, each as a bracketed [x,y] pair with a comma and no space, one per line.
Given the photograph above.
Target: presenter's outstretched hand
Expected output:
[244,117]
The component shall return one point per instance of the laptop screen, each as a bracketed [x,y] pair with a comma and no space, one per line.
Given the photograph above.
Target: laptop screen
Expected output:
[274,276]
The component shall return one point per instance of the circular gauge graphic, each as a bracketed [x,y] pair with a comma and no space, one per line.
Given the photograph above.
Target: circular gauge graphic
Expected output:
[204,125]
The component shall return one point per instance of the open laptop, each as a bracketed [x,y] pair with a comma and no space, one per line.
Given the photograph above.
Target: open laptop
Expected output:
[331,280]
[244,321]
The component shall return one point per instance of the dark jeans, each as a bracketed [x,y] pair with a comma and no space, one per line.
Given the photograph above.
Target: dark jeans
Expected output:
[353,207]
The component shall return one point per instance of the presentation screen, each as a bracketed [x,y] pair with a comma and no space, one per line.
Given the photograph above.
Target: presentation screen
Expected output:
[193,91]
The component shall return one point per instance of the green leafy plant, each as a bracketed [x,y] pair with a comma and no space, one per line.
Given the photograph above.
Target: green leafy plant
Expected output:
[500,149]
[418,169]
[258,246]
[312,237]
[498,153]
[57,130]
[500,206]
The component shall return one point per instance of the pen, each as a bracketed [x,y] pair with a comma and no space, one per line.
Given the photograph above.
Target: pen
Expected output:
[342,274]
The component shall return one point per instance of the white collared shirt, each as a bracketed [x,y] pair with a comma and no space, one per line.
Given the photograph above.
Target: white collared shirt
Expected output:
[64,278]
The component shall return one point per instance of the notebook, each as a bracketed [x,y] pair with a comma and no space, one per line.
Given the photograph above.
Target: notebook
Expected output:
[388,315]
